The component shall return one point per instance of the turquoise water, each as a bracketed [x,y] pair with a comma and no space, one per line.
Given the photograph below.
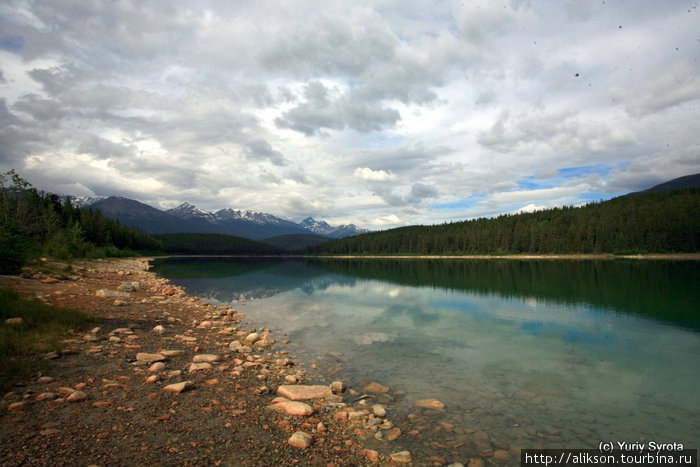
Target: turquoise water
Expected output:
[534,354]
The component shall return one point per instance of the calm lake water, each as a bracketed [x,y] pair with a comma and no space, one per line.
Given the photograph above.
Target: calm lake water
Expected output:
[536,354]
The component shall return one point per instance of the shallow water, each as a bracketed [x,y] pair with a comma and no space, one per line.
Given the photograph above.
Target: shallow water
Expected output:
[551,354]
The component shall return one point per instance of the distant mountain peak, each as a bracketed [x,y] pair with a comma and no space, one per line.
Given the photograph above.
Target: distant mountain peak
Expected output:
[190,211]
[83,201]
[325,229]
[315,226]
[189,218]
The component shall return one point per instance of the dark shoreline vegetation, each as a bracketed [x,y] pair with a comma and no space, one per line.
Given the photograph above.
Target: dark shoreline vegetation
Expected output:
[34,224]
[644,223]
[38,328]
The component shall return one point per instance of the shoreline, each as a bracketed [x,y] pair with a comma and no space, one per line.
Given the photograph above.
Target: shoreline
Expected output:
[166,378]
[582,256]
[593,256]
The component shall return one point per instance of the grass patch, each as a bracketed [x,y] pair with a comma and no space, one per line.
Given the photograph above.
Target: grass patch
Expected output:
[42,329]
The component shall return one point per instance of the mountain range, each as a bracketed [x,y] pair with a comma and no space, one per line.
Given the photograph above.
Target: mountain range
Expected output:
[187,218]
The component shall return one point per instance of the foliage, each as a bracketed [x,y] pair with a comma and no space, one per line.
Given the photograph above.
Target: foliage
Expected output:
[295,243]
[32,224]
[42,329]
[213,244]
[667,222]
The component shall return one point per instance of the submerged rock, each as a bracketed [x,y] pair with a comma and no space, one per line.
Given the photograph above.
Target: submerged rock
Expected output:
[265,341]
[379,410]
[430,404]
[402,457]
[375,388]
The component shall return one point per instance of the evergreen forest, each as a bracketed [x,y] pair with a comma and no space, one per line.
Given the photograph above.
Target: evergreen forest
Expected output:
[33,224]
[666,222]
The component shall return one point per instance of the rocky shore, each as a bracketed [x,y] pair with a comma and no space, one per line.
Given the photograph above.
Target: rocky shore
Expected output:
[167,379]
[164,379]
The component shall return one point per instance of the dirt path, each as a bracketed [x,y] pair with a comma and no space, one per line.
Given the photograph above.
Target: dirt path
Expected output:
[123,414]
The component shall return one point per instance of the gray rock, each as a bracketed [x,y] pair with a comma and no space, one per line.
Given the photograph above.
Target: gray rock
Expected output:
[379,410]
[127,287]
[252,338]
[111,294]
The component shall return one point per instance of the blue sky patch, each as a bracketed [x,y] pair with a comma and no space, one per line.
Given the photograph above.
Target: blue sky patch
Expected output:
[533,183]
[12,43]
[468,202]
[582,171]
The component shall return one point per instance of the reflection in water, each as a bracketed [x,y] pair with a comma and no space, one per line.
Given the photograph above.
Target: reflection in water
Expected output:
[537,354]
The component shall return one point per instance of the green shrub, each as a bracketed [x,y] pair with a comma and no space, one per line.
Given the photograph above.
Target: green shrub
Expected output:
[43,329]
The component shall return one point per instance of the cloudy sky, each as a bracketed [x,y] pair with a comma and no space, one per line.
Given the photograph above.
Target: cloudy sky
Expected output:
[380,113]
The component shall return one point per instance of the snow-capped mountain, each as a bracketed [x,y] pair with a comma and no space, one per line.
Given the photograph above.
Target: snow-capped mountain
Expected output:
[189,211]
[323,228]
[187,218]
[83,201]
[257,217]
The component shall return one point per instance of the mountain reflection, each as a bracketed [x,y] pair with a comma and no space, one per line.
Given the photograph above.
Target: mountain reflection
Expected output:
[663,290]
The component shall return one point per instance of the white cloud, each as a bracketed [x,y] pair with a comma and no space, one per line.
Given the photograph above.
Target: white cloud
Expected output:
[365,173]
[530,208]
[349,111]
[666,89]
[391,219]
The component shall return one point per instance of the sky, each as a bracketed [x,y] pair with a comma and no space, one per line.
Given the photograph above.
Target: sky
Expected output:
[379,113]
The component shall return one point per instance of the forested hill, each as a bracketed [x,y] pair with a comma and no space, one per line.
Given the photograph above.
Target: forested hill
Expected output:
[666,222]
[34,224]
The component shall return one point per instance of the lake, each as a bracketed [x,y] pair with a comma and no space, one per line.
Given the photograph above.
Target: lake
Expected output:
[524,354]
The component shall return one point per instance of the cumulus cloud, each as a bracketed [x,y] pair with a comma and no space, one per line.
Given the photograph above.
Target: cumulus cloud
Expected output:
[365,173]
[530,208]
[391,219]
[350,111]
[668,88]
[481,19]
[261,150]
[553,133]
[319,112]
